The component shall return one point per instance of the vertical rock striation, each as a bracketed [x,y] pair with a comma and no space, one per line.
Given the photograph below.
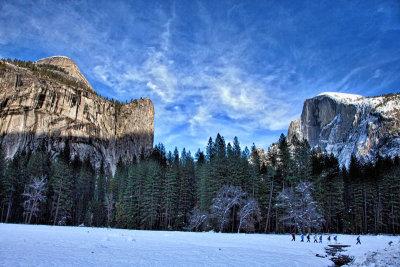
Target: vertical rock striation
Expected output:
[346,125]
[38,111]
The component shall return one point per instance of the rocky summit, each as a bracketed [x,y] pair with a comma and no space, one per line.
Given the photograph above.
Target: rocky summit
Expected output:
[72,70]
[346,125]
[49,104]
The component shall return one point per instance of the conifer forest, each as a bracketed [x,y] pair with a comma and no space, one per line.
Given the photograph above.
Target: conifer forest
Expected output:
[225,188]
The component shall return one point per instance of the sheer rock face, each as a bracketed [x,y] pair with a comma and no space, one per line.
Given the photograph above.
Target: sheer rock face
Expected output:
[346,125]
[43,113]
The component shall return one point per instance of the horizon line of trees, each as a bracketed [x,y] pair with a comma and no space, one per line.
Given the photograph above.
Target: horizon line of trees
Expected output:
[224,189]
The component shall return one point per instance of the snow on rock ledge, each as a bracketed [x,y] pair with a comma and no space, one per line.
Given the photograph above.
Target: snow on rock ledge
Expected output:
[343,97]
[346,124]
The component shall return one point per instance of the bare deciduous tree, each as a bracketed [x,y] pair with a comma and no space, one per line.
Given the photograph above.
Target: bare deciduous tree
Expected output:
[109,203]
[249,215]
[196,219]
[301,211]
[227,198]
[34,196]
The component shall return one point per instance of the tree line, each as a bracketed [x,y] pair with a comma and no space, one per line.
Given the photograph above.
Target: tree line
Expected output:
[225,188]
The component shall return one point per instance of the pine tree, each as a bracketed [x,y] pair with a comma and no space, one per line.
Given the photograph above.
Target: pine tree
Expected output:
[38,164]
[255,174]
[391,207]
[3,186]
[220,164]
[285,166]
[201,182]
[356,195]
[187,186]
[151,196]
[211,176]
[86,185]
[118,185]
[329,191]
[62,193]
[14,184]
[302,163]
[236,170]
[96,206]
[126,208]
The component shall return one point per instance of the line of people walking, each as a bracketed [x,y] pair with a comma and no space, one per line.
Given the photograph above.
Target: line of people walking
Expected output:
[319,240]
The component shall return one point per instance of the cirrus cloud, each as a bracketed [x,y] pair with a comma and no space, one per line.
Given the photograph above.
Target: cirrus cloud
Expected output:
[239,68]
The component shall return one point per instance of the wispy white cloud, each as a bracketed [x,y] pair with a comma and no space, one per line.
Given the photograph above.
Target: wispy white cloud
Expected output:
[242,70]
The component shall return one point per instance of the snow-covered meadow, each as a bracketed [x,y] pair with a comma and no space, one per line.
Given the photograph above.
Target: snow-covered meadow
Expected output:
[39,245]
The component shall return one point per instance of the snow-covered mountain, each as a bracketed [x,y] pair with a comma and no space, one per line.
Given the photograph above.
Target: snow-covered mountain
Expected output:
[347,124]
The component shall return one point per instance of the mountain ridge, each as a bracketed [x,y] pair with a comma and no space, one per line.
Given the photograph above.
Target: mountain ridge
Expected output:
[42,105]
[347,124]
[68,65]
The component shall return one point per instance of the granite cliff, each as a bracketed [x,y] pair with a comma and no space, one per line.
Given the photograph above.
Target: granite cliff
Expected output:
[49,103]
[346,125]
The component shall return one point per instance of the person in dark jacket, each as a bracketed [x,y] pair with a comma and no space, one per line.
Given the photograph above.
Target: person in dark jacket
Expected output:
[308,238]
[293,237]
[358,240]
[320,239]
[329,239]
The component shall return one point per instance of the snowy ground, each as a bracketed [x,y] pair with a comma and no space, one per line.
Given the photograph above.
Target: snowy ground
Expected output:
[38,245]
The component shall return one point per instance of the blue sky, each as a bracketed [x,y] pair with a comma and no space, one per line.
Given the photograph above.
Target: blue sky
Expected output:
[240,68]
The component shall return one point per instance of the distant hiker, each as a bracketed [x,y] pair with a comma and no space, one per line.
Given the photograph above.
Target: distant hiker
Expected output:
[302,238]
[390,243]
[308,238]
[293,237]
[329,239]
[320,239]
[335,238]
[315,239]
[358,240]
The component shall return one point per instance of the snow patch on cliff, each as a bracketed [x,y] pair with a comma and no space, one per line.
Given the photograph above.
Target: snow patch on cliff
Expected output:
[343,97]
[370,129]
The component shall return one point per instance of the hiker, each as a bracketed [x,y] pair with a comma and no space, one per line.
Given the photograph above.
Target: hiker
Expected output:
[315,238]
[293,237]
[329,239]
[302,238]
[308,238]
[320,239]
[335,238]
[358,240]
